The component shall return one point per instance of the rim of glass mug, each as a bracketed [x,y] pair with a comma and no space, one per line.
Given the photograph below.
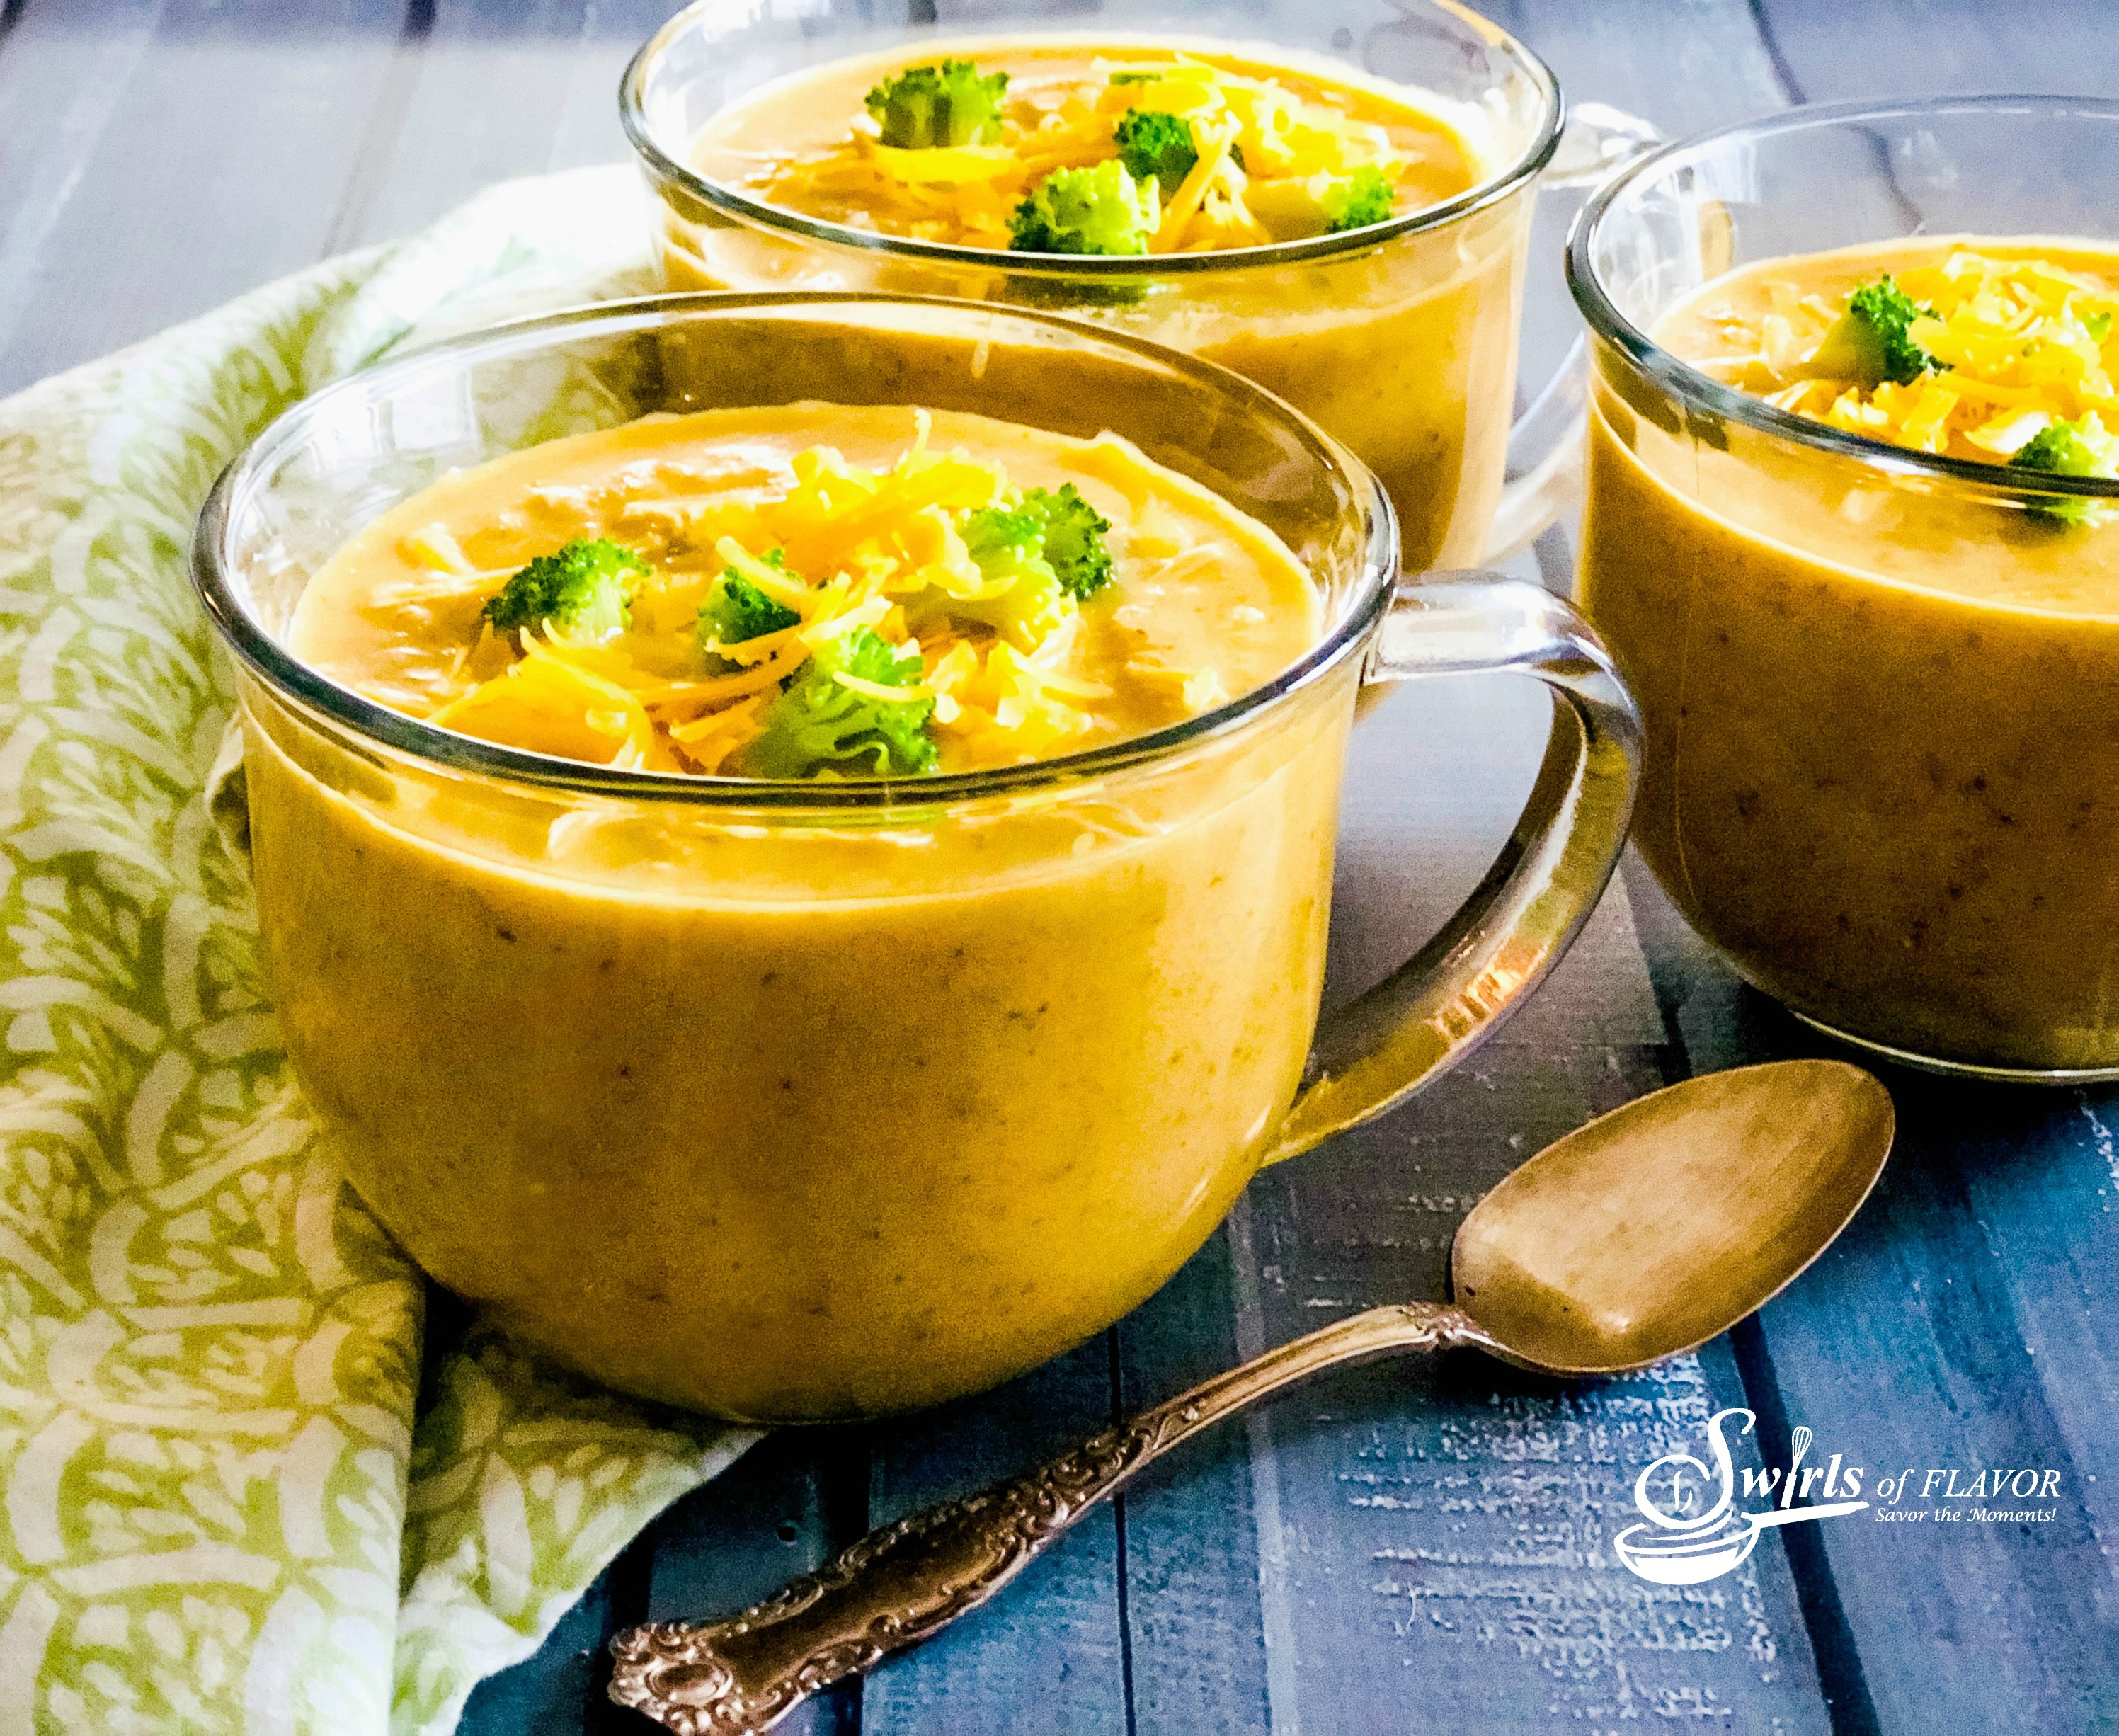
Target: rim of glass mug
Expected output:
[1545,141]
[227,600]
[1699,391]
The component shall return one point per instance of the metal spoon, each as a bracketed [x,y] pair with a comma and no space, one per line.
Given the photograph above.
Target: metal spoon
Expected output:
[1644,1233]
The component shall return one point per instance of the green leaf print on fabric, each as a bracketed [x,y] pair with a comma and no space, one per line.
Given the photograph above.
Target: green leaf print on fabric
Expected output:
[221,1511]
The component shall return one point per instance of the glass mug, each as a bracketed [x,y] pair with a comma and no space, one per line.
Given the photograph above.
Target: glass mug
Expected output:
[1882,792]
[791,1101]
[1400,341]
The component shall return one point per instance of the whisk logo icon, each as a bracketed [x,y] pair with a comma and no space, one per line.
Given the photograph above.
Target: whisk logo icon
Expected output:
[1679,1547]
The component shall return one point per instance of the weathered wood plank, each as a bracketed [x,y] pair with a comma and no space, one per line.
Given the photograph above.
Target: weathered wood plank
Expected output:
[480,86]
[782,1509]
[588,130]
[1684,65]
[501,88]
[61,70]
[217,162]
[786,1507]
[553,1690]
[1968,1318]
[1194,1613]
[1048,1657]
[1829,51]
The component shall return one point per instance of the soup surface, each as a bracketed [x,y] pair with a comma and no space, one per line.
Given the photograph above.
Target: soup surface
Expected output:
[1881,747]
[1078,147]
[809,588]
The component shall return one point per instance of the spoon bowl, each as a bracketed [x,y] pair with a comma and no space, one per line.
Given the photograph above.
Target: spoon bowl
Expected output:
[1641,1235]
[1657,1226]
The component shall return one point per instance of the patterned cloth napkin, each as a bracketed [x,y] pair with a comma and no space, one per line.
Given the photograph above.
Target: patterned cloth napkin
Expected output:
[225,1508]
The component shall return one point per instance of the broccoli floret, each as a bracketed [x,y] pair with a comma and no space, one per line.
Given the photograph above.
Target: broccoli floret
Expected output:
[2060,449]
[927,108]
[1074,539]
[819,722]
[1006,546]
[2098,326]
[1153,143]
[1871,341]
[1357,200]
[1004,541]
[582,588]
[1099,210]
[736,609]
[1133,77]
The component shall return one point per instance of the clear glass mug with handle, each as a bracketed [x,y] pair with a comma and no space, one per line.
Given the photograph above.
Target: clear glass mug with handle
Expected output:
[1399,341]
[790,1101]
[1878,681]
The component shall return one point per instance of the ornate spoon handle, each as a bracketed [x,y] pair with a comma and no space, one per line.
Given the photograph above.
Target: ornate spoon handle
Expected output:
[905,1581]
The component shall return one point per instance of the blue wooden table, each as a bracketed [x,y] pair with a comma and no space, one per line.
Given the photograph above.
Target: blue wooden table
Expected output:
[1408,1549]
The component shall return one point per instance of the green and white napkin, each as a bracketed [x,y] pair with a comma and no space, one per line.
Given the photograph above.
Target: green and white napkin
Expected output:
[223,1510]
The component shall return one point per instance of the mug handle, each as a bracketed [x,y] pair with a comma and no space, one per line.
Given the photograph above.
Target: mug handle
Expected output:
[1547,441]
[1430,1012]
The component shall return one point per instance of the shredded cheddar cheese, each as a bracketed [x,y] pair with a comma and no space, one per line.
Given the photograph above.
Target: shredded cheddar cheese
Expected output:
[2014,345]
[834,552]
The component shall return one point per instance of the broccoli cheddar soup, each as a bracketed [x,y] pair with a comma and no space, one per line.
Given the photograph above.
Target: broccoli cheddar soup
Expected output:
[1204,162]
[1882,740]
[789,1112]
